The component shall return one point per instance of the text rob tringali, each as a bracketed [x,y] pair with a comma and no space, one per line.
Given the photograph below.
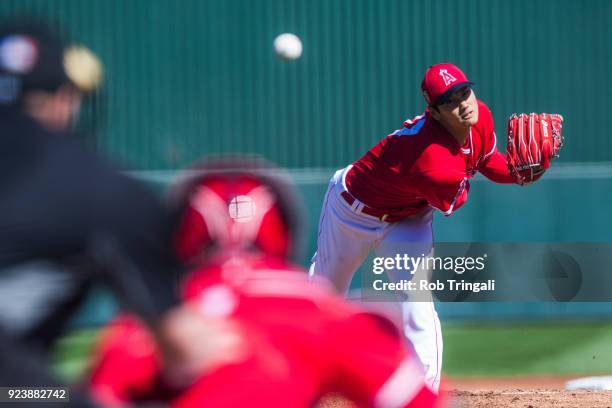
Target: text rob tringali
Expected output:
[425,285]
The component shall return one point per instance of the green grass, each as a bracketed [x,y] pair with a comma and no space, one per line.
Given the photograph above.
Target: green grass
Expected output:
[72,354]
[560,348]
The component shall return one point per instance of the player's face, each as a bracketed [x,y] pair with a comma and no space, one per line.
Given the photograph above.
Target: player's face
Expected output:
[460,110]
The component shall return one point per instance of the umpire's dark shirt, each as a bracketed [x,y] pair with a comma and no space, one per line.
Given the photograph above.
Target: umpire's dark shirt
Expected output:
[66,219]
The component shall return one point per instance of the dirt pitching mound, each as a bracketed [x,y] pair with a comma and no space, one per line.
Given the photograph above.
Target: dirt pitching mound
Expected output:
[531,399]
[523,392]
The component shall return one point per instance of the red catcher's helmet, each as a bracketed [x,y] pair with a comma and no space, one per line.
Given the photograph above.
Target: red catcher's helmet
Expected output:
[236,204]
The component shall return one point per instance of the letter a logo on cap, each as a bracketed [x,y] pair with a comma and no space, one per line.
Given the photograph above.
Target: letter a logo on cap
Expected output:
[448,78]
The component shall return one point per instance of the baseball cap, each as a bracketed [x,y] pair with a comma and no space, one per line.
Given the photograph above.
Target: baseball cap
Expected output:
[441,80]
[34,57]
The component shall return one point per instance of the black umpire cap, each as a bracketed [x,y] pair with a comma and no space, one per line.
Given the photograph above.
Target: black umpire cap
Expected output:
[34,57]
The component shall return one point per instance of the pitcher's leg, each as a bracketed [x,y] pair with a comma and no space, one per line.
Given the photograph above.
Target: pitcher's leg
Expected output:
[343,242]
[413,238]
[422,328]
[338,254]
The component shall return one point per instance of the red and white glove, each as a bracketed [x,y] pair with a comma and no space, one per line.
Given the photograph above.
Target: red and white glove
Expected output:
[533,140]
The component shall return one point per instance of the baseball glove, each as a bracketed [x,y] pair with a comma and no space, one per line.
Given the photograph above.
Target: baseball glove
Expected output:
[533,139]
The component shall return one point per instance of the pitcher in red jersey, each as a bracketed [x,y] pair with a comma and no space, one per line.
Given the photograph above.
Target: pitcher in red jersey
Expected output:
[385,200]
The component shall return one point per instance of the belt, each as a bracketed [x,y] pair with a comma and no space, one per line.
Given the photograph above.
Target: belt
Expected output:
[365,210]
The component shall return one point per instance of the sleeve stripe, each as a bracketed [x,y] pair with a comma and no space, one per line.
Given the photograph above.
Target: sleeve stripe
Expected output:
[494,146]
[402,386]
[413,130]
[452,206]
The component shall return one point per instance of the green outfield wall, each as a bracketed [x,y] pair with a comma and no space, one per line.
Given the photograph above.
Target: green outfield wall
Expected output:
[190,77]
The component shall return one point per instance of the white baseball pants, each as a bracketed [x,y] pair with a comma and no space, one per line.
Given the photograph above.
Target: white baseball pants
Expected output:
[345,238]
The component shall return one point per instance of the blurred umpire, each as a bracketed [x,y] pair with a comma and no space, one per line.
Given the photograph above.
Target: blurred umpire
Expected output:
[67,219]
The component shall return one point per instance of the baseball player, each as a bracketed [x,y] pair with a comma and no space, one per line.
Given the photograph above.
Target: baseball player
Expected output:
[385,200]
[69,220]
[303,340]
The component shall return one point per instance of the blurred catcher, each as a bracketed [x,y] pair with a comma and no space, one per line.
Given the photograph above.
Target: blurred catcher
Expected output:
[239,230]
[68,219]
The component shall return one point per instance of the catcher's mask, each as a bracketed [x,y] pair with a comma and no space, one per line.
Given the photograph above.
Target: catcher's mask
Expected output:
[236,204]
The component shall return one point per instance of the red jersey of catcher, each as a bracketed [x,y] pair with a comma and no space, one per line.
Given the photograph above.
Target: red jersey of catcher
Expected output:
[304,341]
[422,165]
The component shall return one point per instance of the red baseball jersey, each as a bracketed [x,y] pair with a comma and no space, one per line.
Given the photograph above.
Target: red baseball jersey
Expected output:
[423,165]
[304,341]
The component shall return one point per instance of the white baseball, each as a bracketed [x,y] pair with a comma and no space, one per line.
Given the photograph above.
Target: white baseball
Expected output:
[288,46]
